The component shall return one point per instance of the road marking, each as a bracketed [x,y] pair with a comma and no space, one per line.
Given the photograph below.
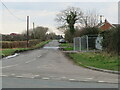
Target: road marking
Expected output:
[45,78]
[3,75]
[19,76]
[36,75]
[30,61]
[101,81]
[71,79]
[8,66]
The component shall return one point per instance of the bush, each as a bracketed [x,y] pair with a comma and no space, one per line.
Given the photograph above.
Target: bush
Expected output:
[19,44]
[111,40]
[82,32]
[89,31]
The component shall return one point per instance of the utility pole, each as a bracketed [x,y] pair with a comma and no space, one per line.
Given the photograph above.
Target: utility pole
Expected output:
[33,25]
[27,31]
[33,30]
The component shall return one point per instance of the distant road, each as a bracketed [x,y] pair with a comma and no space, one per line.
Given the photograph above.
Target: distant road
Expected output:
[50,64]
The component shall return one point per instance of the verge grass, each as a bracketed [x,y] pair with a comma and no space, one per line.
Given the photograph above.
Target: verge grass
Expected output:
[7,52]
[100,60]
[67,46]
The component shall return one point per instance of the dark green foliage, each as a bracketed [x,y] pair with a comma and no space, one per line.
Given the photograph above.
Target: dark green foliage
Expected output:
[68,36]
[89,31]
[82,32]
[111,40]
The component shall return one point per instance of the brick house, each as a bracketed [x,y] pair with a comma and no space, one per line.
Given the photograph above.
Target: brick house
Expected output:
[106,25]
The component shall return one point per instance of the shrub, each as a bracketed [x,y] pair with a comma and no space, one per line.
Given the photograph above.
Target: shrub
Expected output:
[111,40]
[18,44]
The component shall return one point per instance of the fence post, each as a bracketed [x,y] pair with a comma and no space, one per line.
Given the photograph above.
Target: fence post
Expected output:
[87,43]
[74,43]
[80,43]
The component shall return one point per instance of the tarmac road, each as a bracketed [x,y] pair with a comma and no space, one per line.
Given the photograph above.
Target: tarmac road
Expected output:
[50,64]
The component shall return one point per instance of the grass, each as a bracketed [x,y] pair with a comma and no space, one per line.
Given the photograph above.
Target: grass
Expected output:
[7,52]
[99,60]
[66,46]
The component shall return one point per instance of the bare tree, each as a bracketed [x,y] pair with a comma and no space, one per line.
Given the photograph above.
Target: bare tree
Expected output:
[69,17]
[90,19]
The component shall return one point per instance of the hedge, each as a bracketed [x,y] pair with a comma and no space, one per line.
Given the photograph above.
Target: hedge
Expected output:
[18,44]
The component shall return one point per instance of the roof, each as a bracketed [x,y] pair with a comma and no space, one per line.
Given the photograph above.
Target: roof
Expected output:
[106,25]
[116,25]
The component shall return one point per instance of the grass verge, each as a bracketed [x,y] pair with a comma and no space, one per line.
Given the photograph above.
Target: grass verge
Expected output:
[66,46]
[100,60]
[7,52]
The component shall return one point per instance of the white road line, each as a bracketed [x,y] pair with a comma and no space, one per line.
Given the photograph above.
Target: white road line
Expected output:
[3,75]
[30,61]
[45,78]
[101,81]
[19,76]
[36,75]
[71,79]
[8,66]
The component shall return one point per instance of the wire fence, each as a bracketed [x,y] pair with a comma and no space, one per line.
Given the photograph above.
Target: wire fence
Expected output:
[88,43]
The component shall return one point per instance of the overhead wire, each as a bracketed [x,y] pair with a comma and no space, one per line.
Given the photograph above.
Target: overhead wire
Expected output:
[11,12]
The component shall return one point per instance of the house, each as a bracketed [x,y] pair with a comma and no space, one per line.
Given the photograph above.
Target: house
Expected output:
[106,25]
[13,34]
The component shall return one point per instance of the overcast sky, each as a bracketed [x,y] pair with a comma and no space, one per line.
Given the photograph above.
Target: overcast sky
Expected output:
[44,13]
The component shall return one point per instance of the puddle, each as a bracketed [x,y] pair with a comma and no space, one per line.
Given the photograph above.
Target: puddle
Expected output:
[12,56]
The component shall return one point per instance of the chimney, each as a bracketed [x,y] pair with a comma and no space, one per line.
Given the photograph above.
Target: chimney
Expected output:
[101,18]
[105,20]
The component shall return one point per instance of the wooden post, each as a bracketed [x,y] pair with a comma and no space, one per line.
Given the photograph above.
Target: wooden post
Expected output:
[33,25]
[33,30]
[27,31]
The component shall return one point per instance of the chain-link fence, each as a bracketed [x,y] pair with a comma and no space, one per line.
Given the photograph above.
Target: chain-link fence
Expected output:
[87,43]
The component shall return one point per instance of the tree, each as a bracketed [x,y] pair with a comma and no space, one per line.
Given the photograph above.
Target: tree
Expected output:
[69,17]
[37,33]
[90,18]
[51,36]
[40,33]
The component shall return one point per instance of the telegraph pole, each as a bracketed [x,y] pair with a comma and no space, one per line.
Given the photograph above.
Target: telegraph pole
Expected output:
[33,25]
[33,30]
[27,31]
